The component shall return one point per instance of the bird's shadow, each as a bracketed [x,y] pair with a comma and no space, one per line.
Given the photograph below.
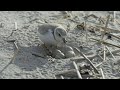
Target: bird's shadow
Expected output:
[27,61]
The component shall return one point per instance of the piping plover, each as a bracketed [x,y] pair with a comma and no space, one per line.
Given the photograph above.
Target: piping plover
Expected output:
[52,34]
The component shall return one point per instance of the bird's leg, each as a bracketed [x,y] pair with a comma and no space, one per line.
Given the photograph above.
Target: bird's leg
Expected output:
[48,51]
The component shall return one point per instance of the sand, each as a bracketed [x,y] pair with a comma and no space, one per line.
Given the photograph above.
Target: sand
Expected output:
[28,66]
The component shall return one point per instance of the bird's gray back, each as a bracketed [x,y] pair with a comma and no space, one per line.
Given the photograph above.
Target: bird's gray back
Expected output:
[44,28]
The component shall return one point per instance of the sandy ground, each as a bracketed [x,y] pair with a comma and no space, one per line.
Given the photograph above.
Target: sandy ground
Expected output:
[28,66]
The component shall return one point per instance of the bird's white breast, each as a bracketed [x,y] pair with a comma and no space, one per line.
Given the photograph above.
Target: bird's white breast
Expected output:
[48,38]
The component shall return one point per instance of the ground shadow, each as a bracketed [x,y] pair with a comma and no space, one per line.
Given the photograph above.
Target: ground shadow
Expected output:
[25,60]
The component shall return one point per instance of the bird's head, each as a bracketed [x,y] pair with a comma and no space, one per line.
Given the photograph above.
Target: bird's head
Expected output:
[60,35]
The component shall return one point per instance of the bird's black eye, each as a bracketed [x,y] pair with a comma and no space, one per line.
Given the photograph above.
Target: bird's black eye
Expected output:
[59,35]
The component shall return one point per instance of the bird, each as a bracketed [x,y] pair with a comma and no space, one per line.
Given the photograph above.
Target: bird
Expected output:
[52,34]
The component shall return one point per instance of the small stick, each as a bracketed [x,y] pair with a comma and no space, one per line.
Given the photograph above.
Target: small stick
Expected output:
[13,30]
[16,26]
[104,42]
[114,36]
[100,20]
[99,64]
[16,52]
[102,73]
[68,73]
[117,21]
[109,29]
[77,70]
[11,33]
[38,55]
[85,27]
[9,62]
[88,60]
[62,77]
[104,53]
[110,52]
[92,15]
[106,25]
[100,57]
[114,15]
[79,59]
[16,45]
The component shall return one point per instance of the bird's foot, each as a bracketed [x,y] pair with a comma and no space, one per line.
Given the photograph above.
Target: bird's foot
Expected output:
[47,50]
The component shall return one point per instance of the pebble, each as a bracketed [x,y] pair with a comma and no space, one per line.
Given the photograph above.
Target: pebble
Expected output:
[68,51]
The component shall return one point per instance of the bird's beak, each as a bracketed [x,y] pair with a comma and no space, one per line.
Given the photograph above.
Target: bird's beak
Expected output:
[64,40]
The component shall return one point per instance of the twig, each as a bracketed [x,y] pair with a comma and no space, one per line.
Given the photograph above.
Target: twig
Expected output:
[109,29]
[38,55]
[99,64]
[79,59]
[88,60]
[16,45]
[16,52]
[10,41]
[100,57]
[110,52]
[114,15]
[16,26]
[77,70]
[114,36]
[68,73]
[117,21]
[72,73]
[106,25]
[62,77]
[11,33]
[85,27]
[91,15]
[100,20]
[104,42]
[102,73]
[81,26]
[104,53]
[13,30]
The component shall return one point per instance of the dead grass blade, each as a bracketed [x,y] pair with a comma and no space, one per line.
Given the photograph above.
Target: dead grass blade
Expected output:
[77,70]
[13,58]
[106,25]
[110,52]
[62,77]
[103,77]
[88,60]
[104,53]
[104,42]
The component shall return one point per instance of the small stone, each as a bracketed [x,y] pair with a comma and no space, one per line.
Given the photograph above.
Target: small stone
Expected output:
[68,51]
[69,54]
